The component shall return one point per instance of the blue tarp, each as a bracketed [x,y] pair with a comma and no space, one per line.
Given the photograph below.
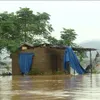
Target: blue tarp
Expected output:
[70,57]
[25,62]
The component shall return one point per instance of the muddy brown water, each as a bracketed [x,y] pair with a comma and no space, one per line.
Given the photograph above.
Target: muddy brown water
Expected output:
[53,87]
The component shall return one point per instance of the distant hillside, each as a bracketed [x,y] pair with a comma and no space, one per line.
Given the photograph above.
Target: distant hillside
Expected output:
[91,44]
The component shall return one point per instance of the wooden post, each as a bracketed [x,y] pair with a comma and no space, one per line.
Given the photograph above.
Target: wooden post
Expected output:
[91,61]
[74,72]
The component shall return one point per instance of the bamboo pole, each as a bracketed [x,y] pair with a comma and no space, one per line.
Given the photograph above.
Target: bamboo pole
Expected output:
[91,61]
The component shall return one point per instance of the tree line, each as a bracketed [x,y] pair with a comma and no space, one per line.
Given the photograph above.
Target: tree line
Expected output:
[26,26]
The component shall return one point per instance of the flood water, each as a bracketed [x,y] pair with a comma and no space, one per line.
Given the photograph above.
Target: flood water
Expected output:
[54,87]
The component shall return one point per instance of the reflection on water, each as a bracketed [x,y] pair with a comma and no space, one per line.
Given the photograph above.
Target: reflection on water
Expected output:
[5,88]
[61,87]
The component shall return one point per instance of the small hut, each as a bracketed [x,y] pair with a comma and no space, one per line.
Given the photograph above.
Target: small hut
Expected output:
[45,59]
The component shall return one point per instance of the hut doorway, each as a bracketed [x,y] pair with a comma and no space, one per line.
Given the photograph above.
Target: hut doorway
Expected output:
[25,62]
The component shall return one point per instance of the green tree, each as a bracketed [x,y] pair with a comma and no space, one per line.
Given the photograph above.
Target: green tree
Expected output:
[23,26]
[52,40]
[68,36]
[9,30]
[33,26]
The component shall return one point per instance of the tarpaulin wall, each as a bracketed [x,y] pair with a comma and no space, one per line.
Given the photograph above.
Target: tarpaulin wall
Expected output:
[70,56]
[25,62]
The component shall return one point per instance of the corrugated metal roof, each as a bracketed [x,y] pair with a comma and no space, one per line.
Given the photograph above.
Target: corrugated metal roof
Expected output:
[59,47]
[74,48]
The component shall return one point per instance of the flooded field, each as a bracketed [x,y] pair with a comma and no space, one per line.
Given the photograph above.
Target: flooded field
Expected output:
[54,87]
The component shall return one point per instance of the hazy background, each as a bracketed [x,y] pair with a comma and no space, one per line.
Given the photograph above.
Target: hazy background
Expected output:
[83,16]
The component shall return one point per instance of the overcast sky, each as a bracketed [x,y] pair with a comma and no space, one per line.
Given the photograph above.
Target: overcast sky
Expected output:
[82,16]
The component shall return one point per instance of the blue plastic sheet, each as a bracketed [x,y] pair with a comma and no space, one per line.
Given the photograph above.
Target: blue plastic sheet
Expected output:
[71,57]
[25,62]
